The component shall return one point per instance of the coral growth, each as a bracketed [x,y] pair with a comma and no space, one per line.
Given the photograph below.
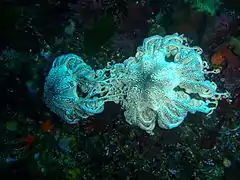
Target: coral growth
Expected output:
[208,6]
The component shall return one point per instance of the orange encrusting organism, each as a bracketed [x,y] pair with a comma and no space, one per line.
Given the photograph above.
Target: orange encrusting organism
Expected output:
[47,126]
[217,58]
